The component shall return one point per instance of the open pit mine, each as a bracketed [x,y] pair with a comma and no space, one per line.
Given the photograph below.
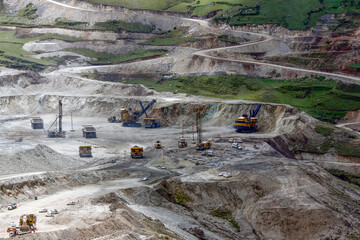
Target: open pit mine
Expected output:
[108,132]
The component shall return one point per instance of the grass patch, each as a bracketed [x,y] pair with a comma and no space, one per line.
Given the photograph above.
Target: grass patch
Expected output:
[181,197]
[28,12]
[119,26]
[107,58]
[291,14]
[12,54]
[66,23]
[170,41]
[325,100]
[226,215]
[345,176]
[324,129]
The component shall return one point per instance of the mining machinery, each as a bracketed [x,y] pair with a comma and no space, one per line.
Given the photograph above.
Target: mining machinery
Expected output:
[137,152]
[85,151]
[158,145]
[182,143]
[37,123]
[89,131]
[27,224]
[248,124]
[130,118]
[58,132]
[149,121]
[201,145]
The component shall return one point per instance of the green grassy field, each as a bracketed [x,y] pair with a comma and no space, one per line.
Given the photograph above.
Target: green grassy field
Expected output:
[107,58]
[324,100]
[292,14]
[12,54]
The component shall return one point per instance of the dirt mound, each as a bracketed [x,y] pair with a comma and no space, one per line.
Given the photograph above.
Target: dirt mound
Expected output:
[278,199]
[38,159]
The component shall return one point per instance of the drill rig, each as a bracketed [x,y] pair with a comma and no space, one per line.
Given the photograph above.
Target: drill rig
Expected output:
[201,145]
[57,132]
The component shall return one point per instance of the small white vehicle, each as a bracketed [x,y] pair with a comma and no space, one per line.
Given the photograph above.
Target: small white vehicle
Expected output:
[231,140]
[227,175]
[44,210]
[71,203]
[240,147]
[54,211]
[235,145]
[49,214]
[145,178]
[239,140]
[12,206]
[211,139]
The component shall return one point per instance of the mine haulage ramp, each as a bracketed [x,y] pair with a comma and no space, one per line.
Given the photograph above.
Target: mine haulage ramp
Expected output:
[244,188]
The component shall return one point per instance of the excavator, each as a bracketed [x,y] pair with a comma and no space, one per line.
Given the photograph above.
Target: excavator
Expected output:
[130,118]
[248,124]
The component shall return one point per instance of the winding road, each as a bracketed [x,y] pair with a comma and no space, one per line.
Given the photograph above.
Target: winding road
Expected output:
[264,38]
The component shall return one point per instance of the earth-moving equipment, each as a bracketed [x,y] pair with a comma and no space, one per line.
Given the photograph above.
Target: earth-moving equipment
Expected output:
[89,131]
[114,119]
[137,152]
[85,151]
[27,224]
[37,123]
[201,145]
[57,132]
[248,124]
[149,121]
[182,143]
[130,118]
[158,145]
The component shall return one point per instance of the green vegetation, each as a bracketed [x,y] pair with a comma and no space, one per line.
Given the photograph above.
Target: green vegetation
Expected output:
[12,54]
[66,23]
[181,198]
[28,12]
[119,26]
[324,129]
[107,58]
[353,179]
[169,41]
[292,14]
[326,100]
[226,215]
[356,66]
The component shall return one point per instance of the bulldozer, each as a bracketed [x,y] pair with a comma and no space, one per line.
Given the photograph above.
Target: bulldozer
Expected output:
[158,145]
[248,123]
[27,224]
[137,152]
[85,151]
[130,117]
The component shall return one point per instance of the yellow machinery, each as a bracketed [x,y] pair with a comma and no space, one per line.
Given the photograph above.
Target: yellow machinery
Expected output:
[158,145]
[137,152]
[27,225]
[85,151]
[248,124]
[114,119]
[130,118]
[151,123]
[182,143]
[201,145]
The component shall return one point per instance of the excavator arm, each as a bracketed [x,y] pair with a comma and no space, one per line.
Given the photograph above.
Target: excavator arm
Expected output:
[146,108]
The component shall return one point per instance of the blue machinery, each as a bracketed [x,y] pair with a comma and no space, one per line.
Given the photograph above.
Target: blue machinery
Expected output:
[248,124]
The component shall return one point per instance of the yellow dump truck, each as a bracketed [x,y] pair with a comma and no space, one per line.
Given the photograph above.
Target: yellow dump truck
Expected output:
[85,151]
[137,152]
